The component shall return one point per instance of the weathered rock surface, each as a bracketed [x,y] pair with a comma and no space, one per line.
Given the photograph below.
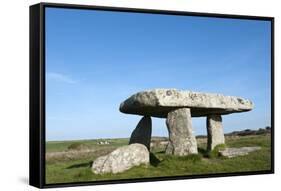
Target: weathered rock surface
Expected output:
[121,159]
[181,138]
[159,102]
[233,152]
[214,131]
[142,133]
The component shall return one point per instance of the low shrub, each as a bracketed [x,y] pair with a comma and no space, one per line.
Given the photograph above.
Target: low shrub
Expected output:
[215,152]
[77,146]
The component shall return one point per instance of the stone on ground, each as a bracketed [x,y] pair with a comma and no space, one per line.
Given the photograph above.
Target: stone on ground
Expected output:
[233,152]
[121,159]
[142,133]
[214,131]
[181,138]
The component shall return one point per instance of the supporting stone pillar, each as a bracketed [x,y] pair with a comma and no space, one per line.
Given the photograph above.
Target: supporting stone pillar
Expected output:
[142,133]
[181,138]
[215,131]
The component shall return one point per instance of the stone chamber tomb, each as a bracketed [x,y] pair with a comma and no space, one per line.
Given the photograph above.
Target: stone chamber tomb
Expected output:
[178,107]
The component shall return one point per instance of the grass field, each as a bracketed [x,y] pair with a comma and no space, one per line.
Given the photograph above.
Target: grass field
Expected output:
[64,165]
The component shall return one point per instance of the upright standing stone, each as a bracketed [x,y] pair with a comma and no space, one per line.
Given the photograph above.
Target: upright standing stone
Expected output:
[215,131]
[142,133]
[181,138]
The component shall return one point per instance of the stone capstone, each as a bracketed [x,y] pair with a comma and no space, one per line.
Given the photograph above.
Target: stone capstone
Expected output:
[159,102]
[178,107]
[233,152]
[142,133]
[181,138]
[214,131]
[121,159]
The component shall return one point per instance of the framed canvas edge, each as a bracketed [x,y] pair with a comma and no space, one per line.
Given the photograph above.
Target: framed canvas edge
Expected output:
[37,166]
[36,138]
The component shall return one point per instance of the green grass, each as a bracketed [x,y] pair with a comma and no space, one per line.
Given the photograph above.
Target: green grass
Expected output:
[62,171]
[213,153]
[55,146]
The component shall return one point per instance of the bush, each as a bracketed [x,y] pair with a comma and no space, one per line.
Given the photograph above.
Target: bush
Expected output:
[215,152]
[77,146]
[260,131]
[267,128]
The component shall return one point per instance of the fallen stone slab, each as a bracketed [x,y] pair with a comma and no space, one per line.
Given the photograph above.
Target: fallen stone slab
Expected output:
[159,102]
[233,152]
[121,159]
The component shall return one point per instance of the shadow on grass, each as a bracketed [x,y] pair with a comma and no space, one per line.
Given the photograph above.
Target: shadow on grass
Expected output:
[86,164]
[154,161]
[203,152]
[160,152]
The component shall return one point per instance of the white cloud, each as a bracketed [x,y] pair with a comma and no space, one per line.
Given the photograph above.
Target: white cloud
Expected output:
[60,78]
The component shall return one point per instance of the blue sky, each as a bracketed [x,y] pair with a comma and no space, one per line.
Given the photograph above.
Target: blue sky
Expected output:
[97,59]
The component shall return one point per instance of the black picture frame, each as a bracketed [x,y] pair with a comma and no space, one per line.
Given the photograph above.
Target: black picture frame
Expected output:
[37,93]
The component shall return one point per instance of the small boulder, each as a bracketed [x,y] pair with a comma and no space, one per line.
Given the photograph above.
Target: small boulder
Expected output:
[121,159]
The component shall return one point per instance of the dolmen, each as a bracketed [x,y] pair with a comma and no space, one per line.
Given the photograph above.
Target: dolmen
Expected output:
[178,107]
